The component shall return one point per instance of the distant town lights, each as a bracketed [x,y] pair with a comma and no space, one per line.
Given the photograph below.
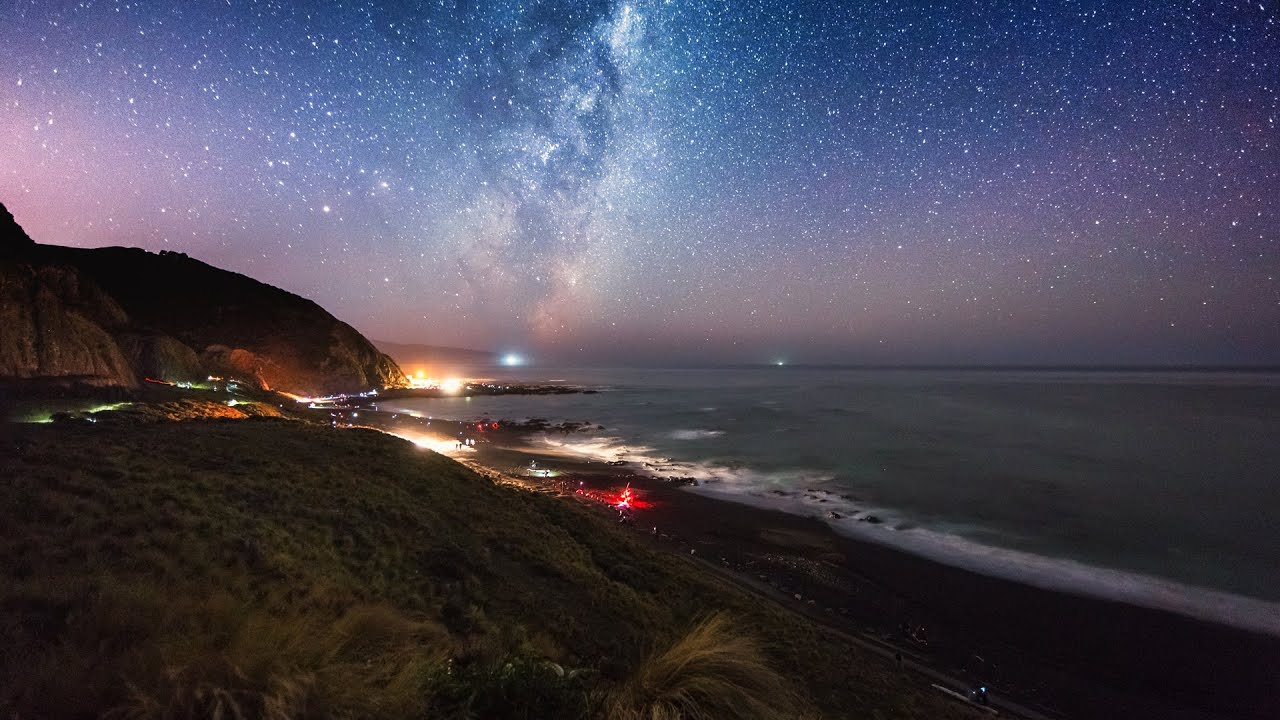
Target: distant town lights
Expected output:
[512,360]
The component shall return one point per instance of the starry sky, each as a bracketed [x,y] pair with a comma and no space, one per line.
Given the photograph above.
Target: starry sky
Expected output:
[639,181]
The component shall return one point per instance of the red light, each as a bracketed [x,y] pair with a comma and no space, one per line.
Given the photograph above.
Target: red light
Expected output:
[629,501]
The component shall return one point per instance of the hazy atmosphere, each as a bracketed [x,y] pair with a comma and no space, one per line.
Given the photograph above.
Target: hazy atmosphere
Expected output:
[1077,182]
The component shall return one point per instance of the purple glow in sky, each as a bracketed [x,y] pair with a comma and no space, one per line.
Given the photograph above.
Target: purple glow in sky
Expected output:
[995,182]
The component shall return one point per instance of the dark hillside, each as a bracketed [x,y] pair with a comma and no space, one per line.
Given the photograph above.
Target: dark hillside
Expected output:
[287,341]
[269,563]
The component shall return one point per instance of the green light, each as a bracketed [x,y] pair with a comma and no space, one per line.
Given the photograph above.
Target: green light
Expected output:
[105,408]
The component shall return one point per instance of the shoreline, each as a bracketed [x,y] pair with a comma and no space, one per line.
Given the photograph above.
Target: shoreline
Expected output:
[1045,572]
[1052,651]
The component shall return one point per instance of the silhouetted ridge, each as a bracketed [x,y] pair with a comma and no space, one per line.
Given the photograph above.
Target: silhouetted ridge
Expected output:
[12,236]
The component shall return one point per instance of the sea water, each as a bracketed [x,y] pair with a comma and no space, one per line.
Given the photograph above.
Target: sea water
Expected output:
[1157,488]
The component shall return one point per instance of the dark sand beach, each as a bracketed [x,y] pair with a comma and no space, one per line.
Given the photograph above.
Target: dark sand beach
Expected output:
[1054,653]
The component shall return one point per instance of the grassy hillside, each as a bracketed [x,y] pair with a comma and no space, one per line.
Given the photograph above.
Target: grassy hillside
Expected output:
[273,568]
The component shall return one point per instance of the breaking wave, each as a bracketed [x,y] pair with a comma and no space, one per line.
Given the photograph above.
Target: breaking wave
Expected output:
[801,492]
[695,434]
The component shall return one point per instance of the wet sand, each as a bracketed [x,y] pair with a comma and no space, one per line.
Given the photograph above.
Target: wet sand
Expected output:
[1060,654]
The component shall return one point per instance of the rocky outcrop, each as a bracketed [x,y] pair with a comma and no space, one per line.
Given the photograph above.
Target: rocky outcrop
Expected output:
[55,324]
[162,357]
[115,315]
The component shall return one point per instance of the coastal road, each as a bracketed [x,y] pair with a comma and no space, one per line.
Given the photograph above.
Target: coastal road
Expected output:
[945,683]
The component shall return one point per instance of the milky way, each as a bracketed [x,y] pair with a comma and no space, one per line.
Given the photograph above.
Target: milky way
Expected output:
[1067,182]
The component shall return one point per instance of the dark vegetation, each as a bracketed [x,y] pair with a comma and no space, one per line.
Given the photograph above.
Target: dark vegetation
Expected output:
[272,568]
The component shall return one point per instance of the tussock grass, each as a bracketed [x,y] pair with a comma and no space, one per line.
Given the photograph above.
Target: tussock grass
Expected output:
[713,672]
[372,661]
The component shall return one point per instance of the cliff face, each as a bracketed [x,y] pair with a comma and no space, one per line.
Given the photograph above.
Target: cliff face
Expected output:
[112,316]
[53,324]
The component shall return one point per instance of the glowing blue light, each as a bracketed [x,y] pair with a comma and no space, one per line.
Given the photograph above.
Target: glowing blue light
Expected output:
[512,359]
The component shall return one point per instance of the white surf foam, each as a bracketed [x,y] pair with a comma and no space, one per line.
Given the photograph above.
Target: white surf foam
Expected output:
[801,493]
[695,434]
[1067,575]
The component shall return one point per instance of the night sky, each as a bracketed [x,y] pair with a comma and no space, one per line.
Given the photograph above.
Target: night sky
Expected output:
[682,181]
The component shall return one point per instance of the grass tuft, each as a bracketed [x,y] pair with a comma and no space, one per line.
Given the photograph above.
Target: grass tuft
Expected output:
[712,672]
[371,661]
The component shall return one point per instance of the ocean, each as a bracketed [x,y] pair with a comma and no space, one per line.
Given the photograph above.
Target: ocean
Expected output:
[1156,488]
